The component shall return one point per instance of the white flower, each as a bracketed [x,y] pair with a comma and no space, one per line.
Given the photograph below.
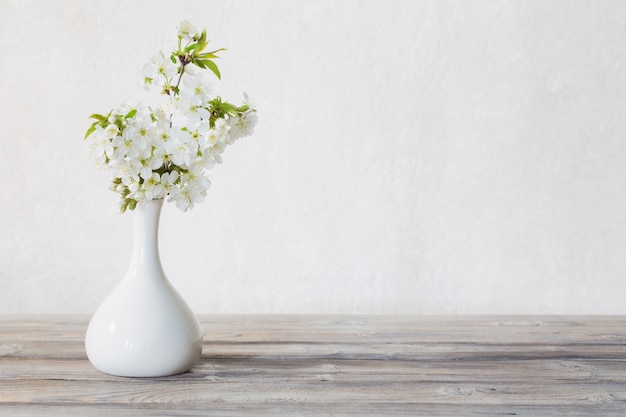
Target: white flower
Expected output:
[186,30]
[127,170]
[244,125]
[247,101]
[111,131]
[164,65]
[181,148]
[191,107]
[153,187]
[199,86]
[163,135]
[158,158]
[121,111]
[136,192]
[162,118]
[217,150]
[168,179]
[218,134]
[199,134]
[208,161]
[187,196]
[146,130]
[114,117]
[100,146]
[195,175]
[145,171]
[159,70]
[128,145]
[148,75]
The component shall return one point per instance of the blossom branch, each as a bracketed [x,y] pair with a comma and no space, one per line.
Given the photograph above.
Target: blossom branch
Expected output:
[155,153]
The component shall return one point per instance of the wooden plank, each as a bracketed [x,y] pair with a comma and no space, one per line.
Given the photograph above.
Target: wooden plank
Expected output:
[336,370]
[333,365]
[263,386]
[293,409]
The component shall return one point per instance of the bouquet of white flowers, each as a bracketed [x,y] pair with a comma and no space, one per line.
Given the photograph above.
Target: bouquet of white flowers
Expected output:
[153,152]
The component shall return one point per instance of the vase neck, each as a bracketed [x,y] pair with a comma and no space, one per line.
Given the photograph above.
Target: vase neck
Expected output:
[146,235]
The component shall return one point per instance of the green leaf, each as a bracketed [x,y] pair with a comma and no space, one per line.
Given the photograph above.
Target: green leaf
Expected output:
[190,47]
[90,130]
[211,54]
[202,42]
[213,67]
[173,58]
[100,117]
[229,108]
[130,114]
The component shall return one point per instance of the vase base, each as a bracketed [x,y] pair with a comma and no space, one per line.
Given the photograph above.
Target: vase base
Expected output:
[114,359]
[144,328]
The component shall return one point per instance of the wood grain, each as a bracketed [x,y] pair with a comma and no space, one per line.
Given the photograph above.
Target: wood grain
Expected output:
[333,366]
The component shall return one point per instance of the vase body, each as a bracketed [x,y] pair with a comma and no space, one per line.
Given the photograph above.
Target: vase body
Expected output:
[144,328]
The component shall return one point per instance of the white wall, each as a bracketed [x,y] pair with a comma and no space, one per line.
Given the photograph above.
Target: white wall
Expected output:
[426,157]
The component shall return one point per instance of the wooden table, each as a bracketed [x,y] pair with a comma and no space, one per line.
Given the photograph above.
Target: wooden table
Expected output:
[333,366]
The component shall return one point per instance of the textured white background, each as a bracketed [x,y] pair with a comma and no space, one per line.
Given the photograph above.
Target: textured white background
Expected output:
[411,157]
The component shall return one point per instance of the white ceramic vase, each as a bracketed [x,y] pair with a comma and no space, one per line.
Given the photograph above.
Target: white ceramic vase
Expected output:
[144,328]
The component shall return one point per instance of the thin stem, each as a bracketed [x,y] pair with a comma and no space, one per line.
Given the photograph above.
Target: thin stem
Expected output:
[183,62]
[182,71]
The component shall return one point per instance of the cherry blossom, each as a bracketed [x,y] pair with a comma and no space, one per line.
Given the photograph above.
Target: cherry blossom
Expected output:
[167,150]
